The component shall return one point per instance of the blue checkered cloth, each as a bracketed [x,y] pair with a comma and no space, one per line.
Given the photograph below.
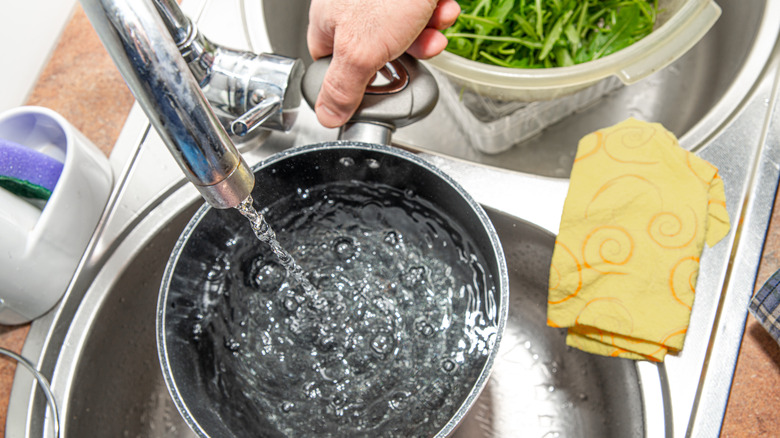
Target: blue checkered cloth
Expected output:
[765,305]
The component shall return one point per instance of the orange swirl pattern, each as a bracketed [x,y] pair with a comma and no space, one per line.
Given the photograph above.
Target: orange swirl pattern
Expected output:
[631,144]
[671,230]
[626,260]
[606,249]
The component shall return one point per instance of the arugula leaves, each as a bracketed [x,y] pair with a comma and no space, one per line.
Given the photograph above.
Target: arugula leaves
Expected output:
[548,33]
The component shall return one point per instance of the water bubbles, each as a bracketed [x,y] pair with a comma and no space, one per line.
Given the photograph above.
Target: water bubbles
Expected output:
[232,345]
[398,400]
[392,238]
[287,406]
[414,276]
[326,343]
[318,304]
[219,266]
[303,193]
[338,399]
[290,304]
[382,343]
[197,330]
[344,248]
[448,365]
[347,161]
[372,163]
[311,390]
[424,328]
[265,276]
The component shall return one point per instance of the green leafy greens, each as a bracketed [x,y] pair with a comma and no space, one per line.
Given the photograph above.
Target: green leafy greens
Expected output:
[548,33]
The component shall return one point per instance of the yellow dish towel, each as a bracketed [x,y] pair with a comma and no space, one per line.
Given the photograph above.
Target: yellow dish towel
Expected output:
[634,223]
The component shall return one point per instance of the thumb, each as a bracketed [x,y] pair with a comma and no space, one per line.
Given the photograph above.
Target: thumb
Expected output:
[342,91]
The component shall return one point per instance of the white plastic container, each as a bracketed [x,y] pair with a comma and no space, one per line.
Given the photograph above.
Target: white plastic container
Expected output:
[503,106]
[680,25]
[41,247]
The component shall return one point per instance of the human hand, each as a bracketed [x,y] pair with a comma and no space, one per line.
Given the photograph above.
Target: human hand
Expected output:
[363,35]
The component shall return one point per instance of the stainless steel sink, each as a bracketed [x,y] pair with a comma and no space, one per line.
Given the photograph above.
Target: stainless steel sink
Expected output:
[721,100]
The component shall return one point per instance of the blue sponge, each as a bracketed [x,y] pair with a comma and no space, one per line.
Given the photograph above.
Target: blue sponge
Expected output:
[27,172]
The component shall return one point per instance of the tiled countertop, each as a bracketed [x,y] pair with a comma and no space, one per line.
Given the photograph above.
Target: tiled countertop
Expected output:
[81,83]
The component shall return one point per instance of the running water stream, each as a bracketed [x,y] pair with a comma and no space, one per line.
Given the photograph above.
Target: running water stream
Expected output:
[266,234]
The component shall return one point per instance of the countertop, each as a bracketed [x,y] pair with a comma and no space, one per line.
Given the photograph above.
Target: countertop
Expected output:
[81,83]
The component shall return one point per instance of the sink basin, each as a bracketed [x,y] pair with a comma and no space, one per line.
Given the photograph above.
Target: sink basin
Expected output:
[721,99]
[115,387]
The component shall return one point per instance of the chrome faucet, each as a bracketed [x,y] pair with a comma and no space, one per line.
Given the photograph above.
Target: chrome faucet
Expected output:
[194,92]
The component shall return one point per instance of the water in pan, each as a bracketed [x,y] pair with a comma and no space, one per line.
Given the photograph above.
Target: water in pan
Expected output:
[390,341]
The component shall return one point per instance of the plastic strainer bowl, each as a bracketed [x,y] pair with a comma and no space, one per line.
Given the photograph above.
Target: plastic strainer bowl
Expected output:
[679,26]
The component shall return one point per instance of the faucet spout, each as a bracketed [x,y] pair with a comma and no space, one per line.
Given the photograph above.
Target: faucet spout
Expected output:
[141,45]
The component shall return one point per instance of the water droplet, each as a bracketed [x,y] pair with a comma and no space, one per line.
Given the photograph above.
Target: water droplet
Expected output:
[347,161]
[232,345]
[266,276]
[448,365]
[287,406]
[319,304]
[290,304]
[372,163]
[413,276]
[398,400]
[338,399]
[344,247]
[392,238]
[219,267]
[424,328]
[382,343]
[310,390]
[326,343]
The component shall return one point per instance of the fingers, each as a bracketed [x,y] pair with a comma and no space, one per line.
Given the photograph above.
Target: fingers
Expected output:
[430,43]
[444,16]
[319,34]
[320,44]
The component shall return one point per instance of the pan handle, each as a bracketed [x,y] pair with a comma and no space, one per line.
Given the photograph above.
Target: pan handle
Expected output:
[408,92]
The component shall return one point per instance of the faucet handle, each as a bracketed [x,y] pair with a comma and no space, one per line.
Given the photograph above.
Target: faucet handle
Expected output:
[248,90]
[409,94]
[266,107]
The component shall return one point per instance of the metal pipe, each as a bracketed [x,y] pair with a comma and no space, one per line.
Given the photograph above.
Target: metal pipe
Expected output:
[141,46]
